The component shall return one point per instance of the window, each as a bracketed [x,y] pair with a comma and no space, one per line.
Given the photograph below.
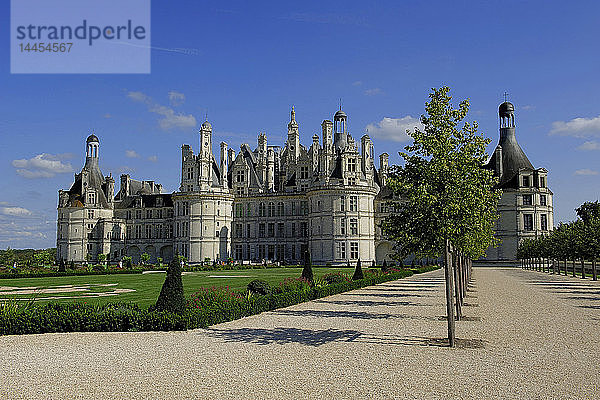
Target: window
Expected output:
[149,214]
[353,203]
[280,252]
[293,208]
[280,229]
[238,230]
[342,203]
[90,213]
[304,172]
[293,229]
[261,251]
[271,209]
[159,213]
[280,211]
[240,176]
[353,226]
[303,207]
[238,252]
[343,226]
[342,246]
[526,181]
[543,200]
[351,181]
[271,254]
[271,230]
[249,209]
[542,181]
[190,173]
[293,251]
[352,165]
[544,222]
[92,198]
[148,231]
[261,210]
[240,190]
[261,230]
[128,214]
[528,222]
[239,210]
[527,199]
[138,214]
[304,229]
[353,250]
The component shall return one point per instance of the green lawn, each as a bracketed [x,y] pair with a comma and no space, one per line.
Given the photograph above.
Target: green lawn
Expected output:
[142,289]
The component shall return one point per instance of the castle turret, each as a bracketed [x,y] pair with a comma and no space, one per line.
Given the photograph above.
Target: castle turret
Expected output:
[224,165]
[293,142]
[340,126]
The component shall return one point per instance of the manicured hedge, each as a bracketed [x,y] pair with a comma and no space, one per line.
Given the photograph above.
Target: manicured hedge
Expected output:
[17,318]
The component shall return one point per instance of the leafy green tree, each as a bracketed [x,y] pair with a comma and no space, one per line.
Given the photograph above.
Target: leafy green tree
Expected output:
[101,258]
[445,193]
[588,211]
[159,260]
[145,258]
[171,296]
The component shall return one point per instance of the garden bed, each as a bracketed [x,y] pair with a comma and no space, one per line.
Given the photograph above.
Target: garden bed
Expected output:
[206,307]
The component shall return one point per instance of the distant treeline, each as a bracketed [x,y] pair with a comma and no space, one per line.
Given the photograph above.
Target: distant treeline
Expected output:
[27,257]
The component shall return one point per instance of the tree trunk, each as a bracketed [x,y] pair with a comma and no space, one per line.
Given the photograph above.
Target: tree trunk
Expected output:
[582,268]
[594,275]
[574,267]
[449,297]
[456,260]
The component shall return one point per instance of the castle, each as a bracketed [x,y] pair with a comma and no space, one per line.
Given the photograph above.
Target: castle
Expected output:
[273,203]
[270,203]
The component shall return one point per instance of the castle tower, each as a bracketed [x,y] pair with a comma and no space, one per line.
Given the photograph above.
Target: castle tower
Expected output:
[526,207]
[205,156]
[340,127]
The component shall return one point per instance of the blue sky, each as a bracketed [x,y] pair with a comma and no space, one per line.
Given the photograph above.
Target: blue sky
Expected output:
[247,64]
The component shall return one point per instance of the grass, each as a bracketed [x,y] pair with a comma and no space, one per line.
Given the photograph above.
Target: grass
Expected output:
[146,287]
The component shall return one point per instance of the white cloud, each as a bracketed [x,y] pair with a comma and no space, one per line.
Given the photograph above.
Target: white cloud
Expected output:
[373,92]
[107,115]
[153,158]
[589,145]
[42,166]
[125,169]
[131,154]
[15,211]
[170,119]
[577,127]
[176,98]
[356,83]
[528,107]
[586,172]
[394,129]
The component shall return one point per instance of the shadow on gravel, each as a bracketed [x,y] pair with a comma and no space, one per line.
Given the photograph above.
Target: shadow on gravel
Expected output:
[593,307]
[389,295]
[367,303]
[284,335]
[419,341]
[333,314]
[317,338]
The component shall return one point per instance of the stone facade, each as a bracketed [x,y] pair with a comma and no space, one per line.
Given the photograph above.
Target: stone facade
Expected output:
[526,208]
[270,203]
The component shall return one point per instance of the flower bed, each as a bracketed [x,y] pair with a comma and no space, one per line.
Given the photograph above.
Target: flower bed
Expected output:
[204,308]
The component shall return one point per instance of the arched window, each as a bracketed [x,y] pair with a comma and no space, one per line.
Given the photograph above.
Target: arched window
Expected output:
[261,210]
[280,211]
[271,209]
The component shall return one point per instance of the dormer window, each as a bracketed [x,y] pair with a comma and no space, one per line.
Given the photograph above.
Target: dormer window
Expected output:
[92,198]
[526,181]
[304,172]
[239,176]
[352,165]
[542,181]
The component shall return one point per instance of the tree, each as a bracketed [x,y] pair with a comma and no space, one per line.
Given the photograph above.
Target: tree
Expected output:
[61,266]
[101,258]
[307,272]
[384,266]
[444,192]
[171,296]
[588,211]
[127,262]
[358,273]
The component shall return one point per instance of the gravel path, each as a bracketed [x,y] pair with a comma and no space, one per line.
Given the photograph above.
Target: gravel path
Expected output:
[528,335]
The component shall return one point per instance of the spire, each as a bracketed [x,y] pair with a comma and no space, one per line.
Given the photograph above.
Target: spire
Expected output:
[293,115]
[293,124]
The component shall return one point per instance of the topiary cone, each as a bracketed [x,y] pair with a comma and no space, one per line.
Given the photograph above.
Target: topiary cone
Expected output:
[384,266]
[307,272]
[171,295]
[358,274]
